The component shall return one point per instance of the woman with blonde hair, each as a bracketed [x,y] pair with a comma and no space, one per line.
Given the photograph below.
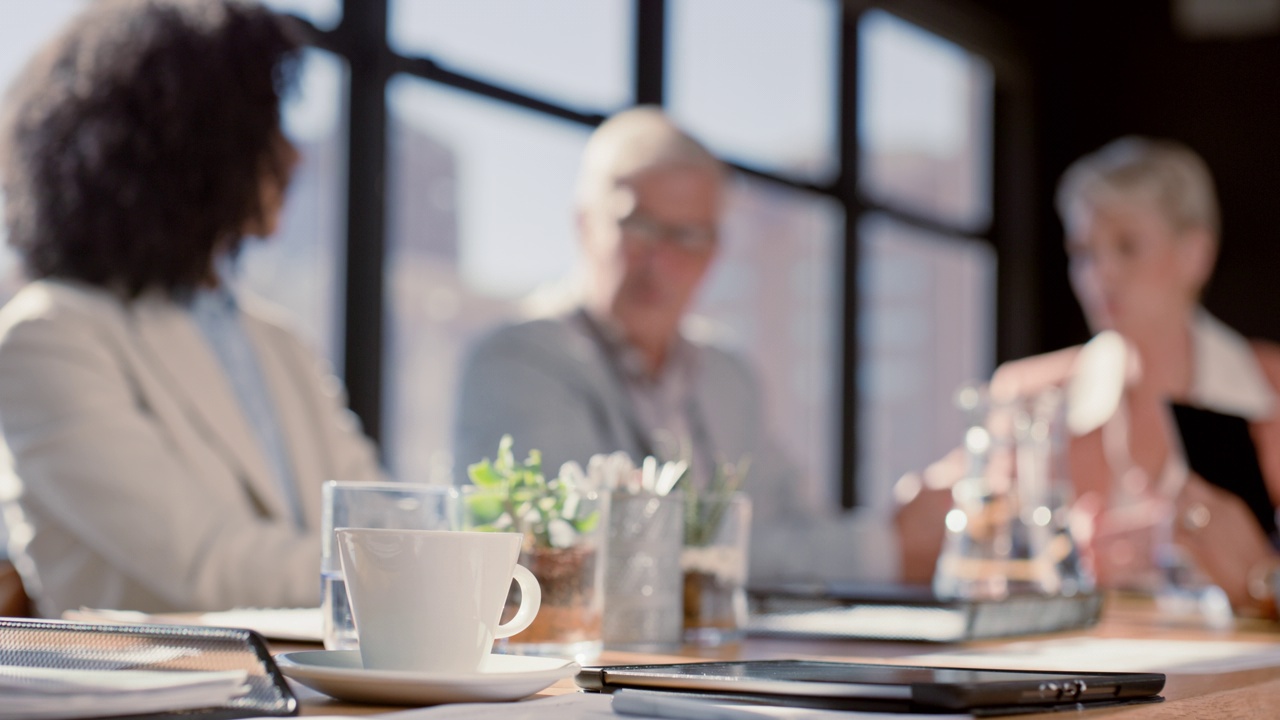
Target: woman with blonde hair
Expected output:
[1142,232]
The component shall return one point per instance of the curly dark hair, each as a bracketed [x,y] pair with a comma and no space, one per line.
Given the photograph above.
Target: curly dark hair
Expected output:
[133,146]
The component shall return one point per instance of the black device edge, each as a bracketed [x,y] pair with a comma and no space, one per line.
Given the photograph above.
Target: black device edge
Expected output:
[940,697]
[886,706]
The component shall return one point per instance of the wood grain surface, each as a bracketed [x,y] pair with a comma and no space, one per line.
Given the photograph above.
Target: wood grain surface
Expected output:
[1220,696]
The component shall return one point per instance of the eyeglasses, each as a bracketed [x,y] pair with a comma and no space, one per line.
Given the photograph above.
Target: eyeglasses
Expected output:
[640,229]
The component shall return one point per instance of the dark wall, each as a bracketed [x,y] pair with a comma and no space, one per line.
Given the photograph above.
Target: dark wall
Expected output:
[1103,69]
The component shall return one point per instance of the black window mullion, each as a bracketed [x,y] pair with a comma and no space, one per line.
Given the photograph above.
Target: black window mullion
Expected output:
[847,185]
[651,52]
[428,69]
[363,34]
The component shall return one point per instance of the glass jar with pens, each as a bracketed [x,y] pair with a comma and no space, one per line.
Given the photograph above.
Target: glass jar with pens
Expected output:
[643,578]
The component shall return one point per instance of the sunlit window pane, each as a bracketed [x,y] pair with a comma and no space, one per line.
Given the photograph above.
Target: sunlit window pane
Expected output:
[480,213]
[926,308]
[299,268]
[757,81]
[26,27]
[512,185]
[924,124]
[576,52]
[324,14]
[777,289]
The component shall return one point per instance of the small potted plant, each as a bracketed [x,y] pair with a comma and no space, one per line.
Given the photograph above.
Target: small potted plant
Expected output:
[563,520]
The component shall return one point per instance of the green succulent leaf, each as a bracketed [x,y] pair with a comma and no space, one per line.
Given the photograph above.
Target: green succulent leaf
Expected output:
[516,496]
[485,508]
[485,475]
[588,523]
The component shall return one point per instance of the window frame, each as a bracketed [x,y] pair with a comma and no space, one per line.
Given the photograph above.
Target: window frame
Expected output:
[361,38]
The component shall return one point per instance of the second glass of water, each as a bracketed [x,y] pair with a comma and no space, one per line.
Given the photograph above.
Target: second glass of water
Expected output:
[394,505]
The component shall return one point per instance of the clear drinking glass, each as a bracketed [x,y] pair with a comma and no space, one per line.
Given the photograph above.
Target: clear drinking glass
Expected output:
[714,561]
[1009,531]
[393,505]
[643,580]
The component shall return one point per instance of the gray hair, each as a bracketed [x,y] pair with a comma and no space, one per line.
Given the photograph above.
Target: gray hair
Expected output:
[1168,174]
[633,141]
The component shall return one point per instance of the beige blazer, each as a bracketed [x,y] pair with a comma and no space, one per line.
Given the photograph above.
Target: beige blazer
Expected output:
[129,474]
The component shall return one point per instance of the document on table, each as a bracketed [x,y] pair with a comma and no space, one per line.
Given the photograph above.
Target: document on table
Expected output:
[300,624]
[32,693]
[598,706]
[297,624]
[1114,655]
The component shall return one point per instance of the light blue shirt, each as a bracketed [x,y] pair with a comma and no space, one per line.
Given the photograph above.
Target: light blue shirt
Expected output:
[217,314]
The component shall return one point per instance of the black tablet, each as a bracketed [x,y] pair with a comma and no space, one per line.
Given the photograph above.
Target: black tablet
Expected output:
[883,688]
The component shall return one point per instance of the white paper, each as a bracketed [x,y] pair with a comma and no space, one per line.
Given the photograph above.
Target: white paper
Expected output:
[300,624]
[32,693]
[1114,655]
[869,621]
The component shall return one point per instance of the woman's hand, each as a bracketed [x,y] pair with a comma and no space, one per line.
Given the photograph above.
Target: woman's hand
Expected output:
[1222,536]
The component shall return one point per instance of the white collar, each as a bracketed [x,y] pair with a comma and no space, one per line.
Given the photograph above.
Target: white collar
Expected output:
[1226,376]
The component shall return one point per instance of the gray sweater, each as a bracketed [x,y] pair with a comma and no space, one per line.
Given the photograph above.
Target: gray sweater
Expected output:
[549,384]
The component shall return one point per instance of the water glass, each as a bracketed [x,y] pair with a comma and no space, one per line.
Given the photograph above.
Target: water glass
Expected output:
[390,505]
[1009,530]
[714,561]
[643,580]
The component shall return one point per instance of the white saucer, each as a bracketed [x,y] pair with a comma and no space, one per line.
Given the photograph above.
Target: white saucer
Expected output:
[340,674]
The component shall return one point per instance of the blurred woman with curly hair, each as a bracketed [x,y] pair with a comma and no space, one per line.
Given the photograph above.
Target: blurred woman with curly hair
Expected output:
[165,438]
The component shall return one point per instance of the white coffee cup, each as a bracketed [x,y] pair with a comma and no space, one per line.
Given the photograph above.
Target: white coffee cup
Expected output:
[430,600]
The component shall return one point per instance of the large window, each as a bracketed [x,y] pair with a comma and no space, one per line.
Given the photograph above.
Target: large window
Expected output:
[481,221]
[299,269]
[441,140]
[926,277]
[758,81]
[575,52]
[777,291]
[480,216]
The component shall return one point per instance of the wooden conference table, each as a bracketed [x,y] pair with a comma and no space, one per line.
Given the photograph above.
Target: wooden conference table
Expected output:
[1251,693]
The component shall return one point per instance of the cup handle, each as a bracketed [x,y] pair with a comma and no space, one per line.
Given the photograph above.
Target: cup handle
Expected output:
[530,601]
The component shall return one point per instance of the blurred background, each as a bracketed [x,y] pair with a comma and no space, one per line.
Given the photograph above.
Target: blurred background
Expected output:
[890,233]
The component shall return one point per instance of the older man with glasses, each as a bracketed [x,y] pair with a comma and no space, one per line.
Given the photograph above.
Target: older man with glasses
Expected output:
[622,368]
